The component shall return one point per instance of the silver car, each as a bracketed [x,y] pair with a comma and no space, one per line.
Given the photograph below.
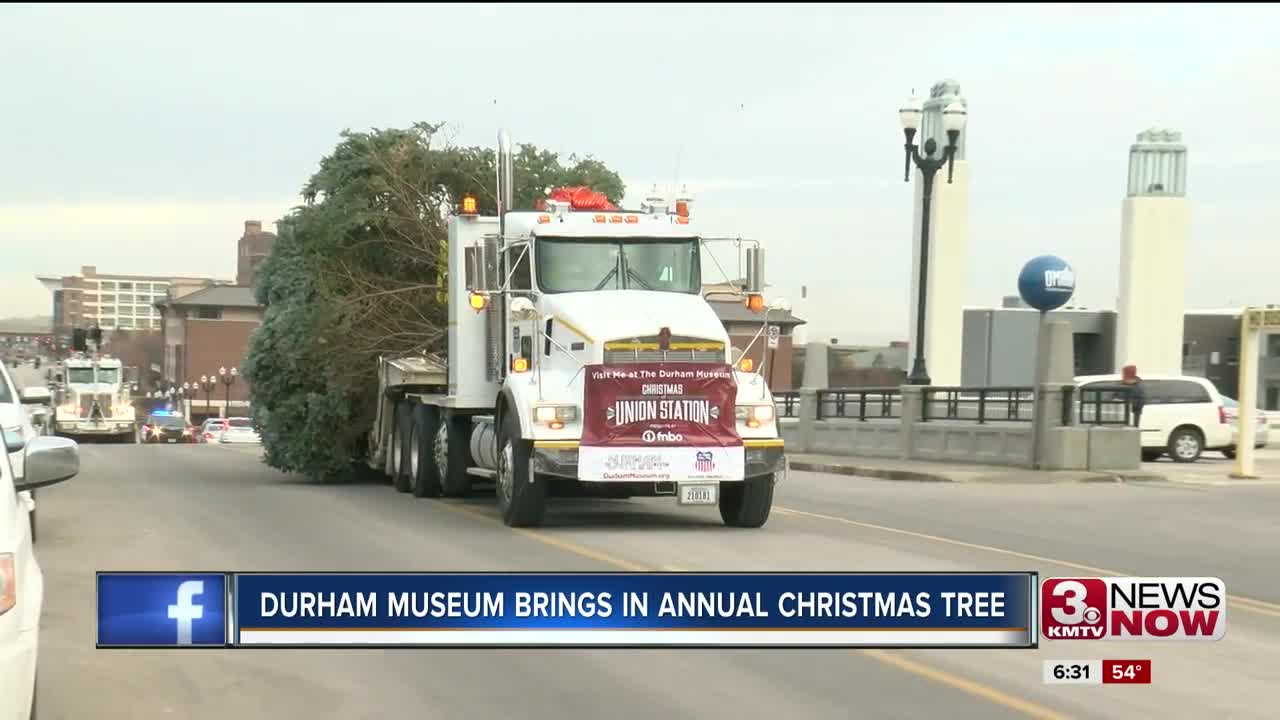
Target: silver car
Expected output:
[1261,431]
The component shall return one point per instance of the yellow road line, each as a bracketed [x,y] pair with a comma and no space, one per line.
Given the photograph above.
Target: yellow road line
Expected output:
[976,689]
[1258,606]
[985,692]
[553,541]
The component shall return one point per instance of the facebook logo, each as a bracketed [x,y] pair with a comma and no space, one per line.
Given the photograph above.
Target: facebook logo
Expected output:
[162,610]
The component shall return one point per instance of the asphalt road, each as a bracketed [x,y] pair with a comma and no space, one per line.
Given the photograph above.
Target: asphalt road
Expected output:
[212,507]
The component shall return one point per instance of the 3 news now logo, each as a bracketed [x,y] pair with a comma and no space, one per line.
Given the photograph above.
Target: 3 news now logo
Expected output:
[162,609]
[1133,608]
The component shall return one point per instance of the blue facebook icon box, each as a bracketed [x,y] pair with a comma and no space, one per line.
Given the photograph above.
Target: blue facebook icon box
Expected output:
[162,609]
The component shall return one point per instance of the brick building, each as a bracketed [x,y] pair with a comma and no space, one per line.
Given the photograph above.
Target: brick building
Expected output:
[205,331]
[253,248]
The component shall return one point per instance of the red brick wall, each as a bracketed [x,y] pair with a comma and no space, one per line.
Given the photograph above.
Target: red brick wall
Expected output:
[779,377]
[211,344]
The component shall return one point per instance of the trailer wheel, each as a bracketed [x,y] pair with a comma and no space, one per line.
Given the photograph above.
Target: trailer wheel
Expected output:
[521,498]
[452,448]
[404,434]
[424,478]
[747,503]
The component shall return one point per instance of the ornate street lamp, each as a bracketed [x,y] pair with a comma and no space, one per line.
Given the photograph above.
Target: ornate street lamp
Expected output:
[953,120]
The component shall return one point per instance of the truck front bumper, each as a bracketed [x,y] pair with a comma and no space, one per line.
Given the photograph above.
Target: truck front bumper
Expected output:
[560,457]
[109,427]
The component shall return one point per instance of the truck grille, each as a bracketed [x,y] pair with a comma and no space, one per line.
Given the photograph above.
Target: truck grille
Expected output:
[86,403]
[682,349]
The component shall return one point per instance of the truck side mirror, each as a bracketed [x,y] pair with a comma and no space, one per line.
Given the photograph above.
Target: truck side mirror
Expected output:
[474,268]
[755,270]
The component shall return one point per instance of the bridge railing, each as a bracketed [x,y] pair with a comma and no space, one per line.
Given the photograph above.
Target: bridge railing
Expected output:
[861,403]
[979,404]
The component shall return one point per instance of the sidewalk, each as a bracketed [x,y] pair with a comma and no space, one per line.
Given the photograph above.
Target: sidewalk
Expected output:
[925,471]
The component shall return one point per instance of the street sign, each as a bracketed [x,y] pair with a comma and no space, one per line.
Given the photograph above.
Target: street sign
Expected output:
[774,333]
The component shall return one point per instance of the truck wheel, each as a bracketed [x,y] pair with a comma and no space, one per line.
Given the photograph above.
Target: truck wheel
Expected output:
[521,499]
[452,448]
[404,433]
[747,503]
[424,478]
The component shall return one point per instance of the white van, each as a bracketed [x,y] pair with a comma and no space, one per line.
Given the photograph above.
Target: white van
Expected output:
[1183,415]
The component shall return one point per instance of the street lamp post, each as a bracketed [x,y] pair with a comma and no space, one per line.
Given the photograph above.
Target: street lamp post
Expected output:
[207,384]
[228,379]
[186,391]
[953,119]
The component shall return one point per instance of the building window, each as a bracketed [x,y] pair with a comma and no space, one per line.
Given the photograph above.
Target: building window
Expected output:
[108,310]
[1273,345]
[108,298]
[125,298]
[209,313]
[108,285]
[126,286]
[126,323]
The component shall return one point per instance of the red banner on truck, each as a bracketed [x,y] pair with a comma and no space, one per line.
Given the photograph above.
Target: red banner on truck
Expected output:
[660,422]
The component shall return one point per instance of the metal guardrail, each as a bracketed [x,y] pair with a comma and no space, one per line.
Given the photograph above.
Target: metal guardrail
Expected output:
[869,403]
[979,404]
[787,403]
[1104,406]
[1111,405]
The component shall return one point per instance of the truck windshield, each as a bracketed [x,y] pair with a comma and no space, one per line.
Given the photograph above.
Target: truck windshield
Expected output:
[573,265]
[109,376]
[80,375]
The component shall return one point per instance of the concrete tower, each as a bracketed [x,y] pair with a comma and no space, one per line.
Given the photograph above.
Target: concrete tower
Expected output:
[948,246]
[1153,254]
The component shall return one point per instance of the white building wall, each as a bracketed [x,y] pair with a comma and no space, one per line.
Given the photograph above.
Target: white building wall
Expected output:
[948,268]
[1153,251]
[1153,283]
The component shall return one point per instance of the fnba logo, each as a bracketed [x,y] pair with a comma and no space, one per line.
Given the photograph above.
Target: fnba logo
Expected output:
[1063,280]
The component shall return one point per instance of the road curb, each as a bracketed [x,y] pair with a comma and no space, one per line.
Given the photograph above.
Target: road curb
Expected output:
[913,476]
[873,472]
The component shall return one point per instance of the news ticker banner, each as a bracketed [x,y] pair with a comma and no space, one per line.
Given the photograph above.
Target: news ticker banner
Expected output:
[939,610]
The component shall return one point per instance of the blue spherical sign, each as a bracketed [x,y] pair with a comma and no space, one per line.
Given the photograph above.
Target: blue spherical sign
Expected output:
[1047,283]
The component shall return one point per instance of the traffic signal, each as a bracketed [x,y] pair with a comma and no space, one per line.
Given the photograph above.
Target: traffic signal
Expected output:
[79,340]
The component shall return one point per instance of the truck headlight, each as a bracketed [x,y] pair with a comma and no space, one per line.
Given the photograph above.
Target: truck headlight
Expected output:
[555,416]
[755,415]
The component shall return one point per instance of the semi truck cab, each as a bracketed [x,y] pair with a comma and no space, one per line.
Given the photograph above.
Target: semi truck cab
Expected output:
[583,359]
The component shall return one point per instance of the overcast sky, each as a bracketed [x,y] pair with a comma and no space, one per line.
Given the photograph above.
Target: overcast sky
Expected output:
[139,138]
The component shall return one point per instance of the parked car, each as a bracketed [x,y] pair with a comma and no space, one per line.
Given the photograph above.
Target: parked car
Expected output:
[1183,416]
[47,460]
[14,415]
[1261,430]
[211,429]
[164,427]
[240,430]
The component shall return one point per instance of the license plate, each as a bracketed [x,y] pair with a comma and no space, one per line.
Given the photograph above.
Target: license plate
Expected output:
[699,494]
[172,440]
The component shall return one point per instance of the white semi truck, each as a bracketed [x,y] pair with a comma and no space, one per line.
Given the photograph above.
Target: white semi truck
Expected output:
[583,359]
[94,400]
